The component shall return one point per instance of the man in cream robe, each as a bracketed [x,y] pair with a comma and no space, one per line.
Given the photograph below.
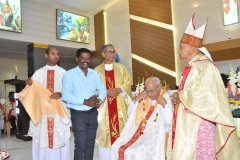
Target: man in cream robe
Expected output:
[203,126]
[143,137]
[61,131]
[110,127]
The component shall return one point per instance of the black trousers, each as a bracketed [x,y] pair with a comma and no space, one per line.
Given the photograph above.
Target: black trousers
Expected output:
[84,125]
[13,124]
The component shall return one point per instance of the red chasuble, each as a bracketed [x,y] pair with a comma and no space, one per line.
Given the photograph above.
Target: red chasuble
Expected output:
[50,121]
[112,108]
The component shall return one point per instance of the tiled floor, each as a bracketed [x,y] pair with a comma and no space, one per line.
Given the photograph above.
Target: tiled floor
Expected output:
[20,150]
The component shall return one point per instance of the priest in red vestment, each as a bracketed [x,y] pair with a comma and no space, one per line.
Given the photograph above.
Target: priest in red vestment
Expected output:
[112,114]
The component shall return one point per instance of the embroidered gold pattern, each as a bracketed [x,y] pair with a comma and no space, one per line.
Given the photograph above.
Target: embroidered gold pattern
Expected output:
[114,133]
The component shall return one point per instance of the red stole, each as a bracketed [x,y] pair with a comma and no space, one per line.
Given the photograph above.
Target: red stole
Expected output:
[50,121]
[112,108]
[136,135]
[50,125]
[184,77]
[50,80]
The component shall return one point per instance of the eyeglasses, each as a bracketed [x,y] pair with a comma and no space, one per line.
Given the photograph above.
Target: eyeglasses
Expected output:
[181,47]
[110,52]
[150,91]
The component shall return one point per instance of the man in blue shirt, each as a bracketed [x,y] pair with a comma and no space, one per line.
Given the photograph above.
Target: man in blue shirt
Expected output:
[83,90]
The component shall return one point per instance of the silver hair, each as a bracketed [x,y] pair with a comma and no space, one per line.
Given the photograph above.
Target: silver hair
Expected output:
[105,46]
[156,79]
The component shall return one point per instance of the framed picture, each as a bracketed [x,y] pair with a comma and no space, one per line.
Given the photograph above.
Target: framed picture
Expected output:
[72,27]
[10,15]
[230,12]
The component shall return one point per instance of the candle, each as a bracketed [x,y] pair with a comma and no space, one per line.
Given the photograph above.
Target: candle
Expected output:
[16,68]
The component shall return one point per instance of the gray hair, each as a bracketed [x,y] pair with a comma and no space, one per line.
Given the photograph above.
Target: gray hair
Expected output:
[105,46]
[156,79]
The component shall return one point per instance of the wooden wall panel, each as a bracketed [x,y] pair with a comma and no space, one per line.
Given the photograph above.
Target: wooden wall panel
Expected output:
[96,57]
[227,54]
[158,10]
[139,68]
[225,50]
[153,43]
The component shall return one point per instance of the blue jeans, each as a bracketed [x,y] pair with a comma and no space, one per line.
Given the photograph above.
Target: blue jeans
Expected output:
[84,128]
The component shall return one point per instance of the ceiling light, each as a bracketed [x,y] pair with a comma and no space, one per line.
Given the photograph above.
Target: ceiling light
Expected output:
[195,5]
[152,22]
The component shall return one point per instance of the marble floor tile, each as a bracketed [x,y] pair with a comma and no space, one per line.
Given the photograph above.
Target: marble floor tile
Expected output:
[20,150]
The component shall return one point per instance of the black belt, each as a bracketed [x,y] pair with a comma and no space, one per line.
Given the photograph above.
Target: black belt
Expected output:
[90,110]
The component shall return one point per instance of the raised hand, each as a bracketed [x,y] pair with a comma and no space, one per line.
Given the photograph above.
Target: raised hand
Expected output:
[140,96]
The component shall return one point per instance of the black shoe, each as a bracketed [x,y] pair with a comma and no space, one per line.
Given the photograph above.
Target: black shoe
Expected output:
[14,131]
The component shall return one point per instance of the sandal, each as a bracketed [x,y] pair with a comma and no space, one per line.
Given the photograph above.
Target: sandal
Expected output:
[4,155]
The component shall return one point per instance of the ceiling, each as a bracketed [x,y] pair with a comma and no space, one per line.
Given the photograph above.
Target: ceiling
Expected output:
[13,49]
[18,49]
[87,6]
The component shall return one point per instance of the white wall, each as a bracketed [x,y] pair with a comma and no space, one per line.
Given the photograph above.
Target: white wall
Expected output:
[118,31]
[215,32]
[7,71]
[224,66]
[39,25]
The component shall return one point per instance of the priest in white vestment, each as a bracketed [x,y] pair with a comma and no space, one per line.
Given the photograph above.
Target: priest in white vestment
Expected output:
[150,117]
[47,146]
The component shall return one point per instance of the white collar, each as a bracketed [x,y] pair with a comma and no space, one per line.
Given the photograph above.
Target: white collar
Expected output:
[153,102]
[109,67]
[51,67]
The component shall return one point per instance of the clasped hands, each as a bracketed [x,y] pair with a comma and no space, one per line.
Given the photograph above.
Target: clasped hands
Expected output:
[55,95]
[93,101]
[114,92]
